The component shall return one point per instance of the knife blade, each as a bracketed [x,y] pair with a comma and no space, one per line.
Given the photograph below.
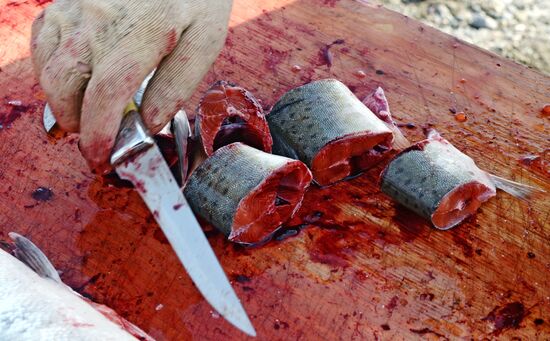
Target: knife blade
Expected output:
[48,120]
[137,158]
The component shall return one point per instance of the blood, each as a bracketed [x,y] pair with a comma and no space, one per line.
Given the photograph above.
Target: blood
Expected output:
[333,248]
[331,3]
[42,194]
[159,235]
[16,110]
[410,224]
[392,304]
[545,111]
[172,41]
[287,232]
[459,237]
[385,327]
[273,58]
[509,316]
[379,72]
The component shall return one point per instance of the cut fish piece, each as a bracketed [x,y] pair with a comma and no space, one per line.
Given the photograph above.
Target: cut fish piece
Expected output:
[228,113]
[246,193]
[437,181]
[324,125]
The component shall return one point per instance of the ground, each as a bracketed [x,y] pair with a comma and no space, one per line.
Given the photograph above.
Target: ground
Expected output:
[519,30]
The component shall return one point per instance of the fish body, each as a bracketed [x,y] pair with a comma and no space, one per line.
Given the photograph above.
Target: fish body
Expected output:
[437,181]
[228,113]
[324,125]
[246,193]
[40,307]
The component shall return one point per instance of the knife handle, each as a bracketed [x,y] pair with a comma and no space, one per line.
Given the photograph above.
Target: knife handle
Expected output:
[132,137]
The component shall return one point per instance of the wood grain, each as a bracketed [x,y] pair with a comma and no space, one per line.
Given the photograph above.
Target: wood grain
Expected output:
[361,268]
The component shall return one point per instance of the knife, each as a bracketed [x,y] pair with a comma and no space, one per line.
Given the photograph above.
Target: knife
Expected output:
[137,158]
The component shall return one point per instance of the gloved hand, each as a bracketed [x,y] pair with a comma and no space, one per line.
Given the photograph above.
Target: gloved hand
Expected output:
[92,55]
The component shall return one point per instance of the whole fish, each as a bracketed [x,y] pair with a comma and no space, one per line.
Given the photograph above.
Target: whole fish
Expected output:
[246,193]
[36,305]
[324,125]
[228,113]
[442,184]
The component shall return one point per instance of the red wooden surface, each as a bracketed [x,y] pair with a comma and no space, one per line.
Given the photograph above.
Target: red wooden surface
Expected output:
[362,268]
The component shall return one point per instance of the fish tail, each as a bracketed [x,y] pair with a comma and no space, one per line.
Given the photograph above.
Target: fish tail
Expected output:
[399,140]
[33,257]
[518,190]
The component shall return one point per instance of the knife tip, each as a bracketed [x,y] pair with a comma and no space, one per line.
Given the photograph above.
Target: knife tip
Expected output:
[241,321]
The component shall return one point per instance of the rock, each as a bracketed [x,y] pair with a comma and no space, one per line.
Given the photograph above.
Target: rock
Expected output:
[517,29]
[478,21]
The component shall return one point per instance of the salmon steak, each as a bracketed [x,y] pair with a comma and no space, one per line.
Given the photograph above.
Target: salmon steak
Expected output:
[228,113]
[246,193]
[437,181]
[324,125]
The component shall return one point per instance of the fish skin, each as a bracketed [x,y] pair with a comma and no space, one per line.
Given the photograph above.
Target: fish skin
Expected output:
[36,308]
[421,176]
[308,118]
[376,101]
[217,187]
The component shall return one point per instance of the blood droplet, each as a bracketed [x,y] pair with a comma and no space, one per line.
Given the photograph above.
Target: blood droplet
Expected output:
[546,110]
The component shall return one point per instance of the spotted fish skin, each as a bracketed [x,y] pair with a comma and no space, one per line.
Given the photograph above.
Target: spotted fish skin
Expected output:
[426,174]
[319,115]
[218,187]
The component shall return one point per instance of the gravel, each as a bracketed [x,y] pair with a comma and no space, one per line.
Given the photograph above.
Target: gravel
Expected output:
[516,29]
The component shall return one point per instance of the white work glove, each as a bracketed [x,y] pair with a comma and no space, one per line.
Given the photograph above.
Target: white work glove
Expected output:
[92,55]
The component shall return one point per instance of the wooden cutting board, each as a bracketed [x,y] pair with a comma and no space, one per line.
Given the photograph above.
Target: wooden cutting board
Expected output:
[361,268]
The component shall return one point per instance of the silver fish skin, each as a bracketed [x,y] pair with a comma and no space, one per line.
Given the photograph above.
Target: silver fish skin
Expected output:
[36,305]
[437,181]
[309,120]
[223,189]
